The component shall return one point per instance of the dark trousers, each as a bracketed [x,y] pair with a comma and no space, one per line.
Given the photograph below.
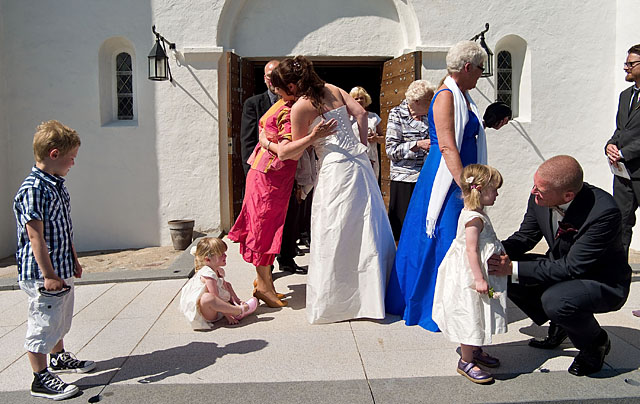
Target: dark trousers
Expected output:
[304,216]
[626,194]
[290,231]
[570,304]
[399,198]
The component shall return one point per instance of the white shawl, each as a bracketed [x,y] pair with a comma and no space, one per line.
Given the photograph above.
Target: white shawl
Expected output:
[442,181]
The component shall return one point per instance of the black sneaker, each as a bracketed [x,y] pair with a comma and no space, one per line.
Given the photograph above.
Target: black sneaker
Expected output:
[50,386]
[66,362]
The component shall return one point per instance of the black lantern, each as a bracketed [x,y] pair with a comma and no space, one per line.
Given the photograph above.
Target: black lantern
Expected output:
[159,69]
[488,69]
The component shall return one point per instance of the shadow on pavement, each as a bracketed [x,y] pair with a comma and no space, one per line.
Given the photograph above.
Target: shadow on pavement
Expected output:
[158,365]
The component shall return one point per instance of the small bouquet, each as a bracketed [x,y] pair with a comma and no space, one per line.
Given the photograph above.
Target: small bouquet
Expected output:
[493,294]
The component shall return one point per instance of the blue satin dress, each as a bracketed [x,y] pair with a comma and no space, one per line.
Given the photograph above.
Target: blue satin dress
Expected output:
[413,278]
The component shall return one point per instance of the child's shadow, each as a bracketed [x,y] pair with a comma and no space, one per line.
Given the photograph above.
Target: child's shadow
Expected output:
[158,365]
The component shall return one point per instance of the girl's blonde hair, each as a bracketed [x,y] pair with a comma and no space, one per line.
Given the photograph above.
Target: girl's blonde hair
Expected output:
[474,177]
[208,246]
[355,91]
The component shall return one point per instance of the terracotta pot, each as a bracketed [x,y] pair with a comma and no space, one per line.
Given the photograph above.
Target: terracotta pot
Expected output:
[181,233]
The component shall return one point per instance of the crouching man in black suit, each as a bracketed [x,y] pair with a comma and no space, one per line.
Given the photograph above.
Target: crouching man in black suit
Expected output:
[585,270]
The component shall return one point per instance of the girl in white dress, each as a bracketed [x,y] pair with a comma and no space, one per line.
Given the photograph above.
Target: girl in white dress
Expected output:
[207,297]
[469,304]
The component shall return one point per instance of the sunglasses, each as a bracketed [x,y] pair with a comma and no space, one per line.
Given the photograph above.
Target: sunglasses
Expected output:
[54,293]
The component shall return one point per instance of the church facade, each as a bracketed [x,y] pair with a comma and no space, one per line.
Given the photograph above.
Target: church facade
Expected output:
[154,151]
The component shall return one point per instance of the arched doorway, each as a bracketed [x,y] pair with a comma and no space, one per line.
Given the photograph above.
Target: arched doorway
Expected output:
[349,44]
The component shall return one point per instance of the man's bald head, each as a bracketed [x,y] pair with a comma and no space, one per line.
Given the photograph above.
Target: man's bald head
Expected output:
[562,173]
[268,68]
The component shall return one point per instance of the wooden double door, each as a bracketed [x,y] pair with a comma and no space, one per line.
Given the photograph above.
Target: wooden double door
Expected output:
[395,75]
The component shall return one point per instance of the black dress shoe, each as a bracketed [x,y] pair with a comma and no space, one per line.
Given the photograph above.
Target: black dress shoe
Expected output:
[590,360]
[554,338]
[291,267]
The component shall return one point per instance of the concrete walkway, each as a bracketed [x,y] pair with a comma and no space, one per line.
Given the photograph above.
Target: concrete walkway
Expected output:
[146,352]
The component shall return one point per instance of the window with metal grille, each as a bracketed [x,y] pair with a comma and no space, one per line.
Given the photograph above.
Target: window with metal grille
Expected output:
[124,86]
[504,79]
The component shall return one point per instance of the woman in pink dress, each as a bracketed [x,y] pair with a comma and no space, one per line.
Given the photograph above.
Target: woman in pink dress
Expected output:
[259,226]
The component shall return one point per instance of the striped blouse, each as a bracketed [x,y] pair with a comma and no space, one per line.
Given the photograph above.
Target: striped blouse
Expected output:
[403,133]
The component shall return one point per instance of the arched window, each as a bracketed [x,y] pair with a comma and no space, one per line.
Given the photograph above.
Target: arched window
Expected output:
[124,86]
[505,79]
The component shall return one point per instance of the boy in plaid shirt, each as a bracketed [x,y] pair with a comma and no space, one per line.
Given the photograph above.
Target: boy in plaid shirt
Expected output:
[47,260]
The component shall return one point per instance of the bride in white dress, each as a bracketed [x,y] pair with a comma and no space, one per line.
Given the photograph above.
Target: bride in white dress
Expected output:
[352,246]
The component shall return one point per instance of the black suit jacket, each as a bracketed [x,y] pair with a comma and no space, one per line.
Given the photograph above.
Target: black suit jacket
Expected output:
[593,250]
[252,110]
[627,134]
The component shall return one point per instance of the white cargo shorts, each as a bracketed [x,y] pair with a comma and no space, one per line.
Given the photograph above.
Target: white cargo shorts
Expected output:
[50,315]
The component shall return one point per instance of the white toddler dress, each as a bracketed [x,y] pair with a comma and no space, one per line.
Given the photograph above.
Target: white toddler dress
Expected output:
[191,293]
[464,315]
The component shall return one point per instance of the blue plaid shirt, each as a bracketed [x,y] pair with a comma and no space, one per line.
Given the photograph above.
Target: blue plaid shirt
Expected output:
[44,197]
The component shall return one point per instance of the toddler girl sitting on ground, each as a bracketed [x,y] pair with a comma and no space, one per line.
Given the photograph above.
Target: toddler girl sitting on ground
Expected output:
[207,297]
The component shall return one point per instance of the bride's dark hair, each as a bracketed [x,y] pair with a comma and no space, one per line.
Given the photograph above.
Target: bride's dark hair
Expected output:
[299,71]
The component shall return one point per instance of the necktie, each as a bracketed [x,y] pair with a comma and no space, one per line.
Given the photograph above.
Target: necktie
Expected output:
[558,210]
[634,100]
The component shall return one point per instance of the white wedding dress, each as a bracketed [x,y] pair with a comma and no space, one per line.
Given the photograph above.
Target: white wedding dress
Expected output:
[352,246]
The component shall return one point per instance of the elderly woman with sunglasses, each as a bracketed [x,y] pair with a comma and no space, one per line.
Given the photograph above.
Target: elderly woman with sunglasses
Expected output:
[457,140]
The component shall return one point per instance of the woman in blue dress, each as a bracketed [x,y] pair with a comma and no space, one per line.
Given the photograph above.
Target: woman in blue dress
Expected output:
[457,140]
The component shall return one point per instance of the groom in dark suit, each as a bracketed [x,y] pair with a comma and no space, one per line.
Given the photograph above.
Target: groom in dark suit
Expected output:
[585,270]
[624,146]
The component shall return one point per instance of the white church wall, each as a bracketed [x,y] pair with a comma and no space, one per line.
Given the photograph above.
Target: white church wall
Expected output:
[189,157]
[113,186]
[193,155]
[130,177]
[170,163]
[323,28]
[7,226]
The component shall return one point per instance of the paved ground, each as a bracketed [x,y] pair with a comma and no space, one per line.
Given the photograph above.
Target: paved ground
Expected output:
[146,352]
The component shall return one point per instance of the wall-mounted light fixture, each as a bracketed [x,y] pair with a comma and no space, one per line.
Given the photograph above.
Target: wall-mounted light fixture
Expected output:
[159,69]
[488,69]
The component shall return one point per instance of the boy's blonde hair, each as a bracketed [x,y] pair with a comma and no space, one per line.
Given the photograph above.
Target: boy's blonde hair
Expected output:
[208,246]
[355,91]
[474,177]
[53,135]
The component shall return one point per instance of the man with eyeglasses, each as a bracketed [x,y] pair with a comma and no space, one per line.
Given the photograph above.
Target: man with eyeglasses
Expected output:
[624,147]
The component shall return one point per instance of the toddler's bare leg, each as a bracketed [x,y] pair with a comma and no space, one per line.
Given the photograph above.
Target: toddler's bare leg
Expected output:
[211,305]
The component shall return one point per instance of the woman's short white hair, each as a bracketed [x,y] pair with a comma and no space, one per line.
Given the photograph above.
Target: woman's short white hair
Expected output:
[465,52]
[420,90]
